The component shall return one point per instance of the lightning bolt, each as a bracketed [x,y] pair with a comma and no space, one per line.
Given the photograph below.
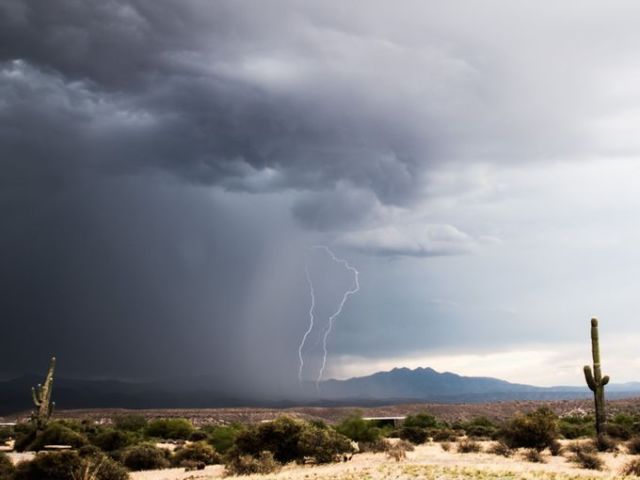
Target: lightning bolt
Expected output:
[346,295]
[311,319]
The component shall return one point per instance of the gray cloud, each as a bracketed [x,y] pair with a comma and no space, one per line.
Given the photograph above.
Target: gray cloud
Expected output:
[163,163]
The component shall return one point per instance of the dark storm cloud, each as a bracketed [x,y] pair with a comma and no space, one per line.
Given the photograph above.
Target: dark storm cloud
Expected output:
[152,153]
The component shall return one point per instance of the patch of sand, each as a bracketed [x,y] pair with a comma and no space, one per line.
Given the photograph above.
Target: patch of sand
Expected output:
[427,462]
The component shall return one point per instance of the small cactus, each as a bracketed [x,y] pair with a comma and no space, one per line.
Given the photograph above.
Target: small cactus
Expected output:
[595,380]
[42,398]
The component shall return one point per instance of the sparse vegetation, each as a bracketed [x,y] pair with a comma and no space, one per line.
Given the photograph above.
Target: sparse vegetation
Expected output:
[631,468]
[446,446]
[533,455]
[468,446]
[247,464]
[195,452]
[633,445]
[6,466]
[538,429]
[500,448]
[588,460]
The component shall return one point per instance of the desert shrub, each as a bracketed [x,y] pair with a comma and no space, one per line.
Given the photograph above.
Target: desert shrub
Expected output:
[222,438]
[468,446]
[577,447]
[99,467]
[6,466]
[25,435]
[631,468]
[398,451]
[421,420]
[446,446]
[604,443]
[537,430]
[480,427]
[533,455]
[444,435]
[500,448]
[322,445]
[589,460]
[279,437]
[633,445]
[130,423]
[555,448]
[110,440]
[198,436]
[6,433]
[248,464]
[170,428]
[49,466]
[415,435]
[573,427]
[195,452]
[291,440]
[57,433]
[379,446]
[621,432]
[145,457]
[358,430]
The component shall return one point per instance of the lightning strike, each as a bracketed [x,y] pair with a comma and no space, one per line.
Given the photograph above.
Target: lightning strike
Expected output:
[347,294]
[311,321]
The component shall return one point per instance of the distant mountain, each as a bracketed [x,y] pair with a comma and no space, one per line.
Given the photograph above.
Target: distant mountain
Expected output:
[400,385]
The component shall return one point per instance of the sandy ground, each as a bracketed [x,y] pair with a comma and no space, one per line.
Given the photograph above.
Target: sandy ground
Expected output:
[426,462]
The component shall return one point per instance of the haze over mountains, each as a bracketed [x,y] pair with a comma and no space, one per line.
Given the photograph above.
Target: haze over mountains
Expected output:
[396,386]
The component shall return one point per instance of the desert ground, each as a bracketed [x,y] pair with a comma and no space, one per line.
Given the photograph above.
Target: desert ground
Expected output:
[426,462]
[443,411]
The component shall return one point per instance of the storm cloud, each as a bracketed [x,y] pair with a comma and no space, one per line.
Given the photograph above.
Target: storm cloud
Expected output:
[165,165]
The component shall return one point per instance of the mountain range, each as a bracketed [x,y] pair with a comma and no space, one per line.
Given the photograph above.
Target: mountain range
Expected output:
[400,385]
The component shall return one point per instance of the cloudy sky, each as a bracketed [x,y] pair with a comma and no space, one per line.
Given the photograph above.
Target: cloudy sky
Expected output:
[167,166]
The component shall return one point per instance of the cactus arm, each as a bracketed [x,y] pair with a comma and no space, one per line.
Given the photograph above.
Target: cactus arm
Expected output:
[605,380]
[589,378]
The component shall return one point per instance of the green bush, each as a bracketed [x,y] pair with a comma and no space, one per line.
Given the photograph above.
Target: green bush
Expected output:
[25,435]
[198,436]
[110,440]
[537,430]
[170,428]
[58,433]
[6,466]
[101,466]
[415,435]
[195,452]
[420,420]
[358,429]
[222,438]
[322,445]
[6,433]
[130,423]
[480,427]
[444,435]
[380,445]
[49,466]
[145,457]
[573,427]
[604,443]
[279,437]
[247,464]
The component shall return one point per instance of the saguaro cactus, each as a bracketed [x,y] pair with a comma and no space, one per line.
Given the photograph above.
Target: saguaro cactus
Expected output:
[42,397]
[595,380]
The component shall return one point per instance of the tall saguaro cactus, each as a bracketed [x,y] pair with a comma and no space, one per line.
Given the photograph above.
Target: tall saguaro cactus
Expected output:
[595,380]
[42,397]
